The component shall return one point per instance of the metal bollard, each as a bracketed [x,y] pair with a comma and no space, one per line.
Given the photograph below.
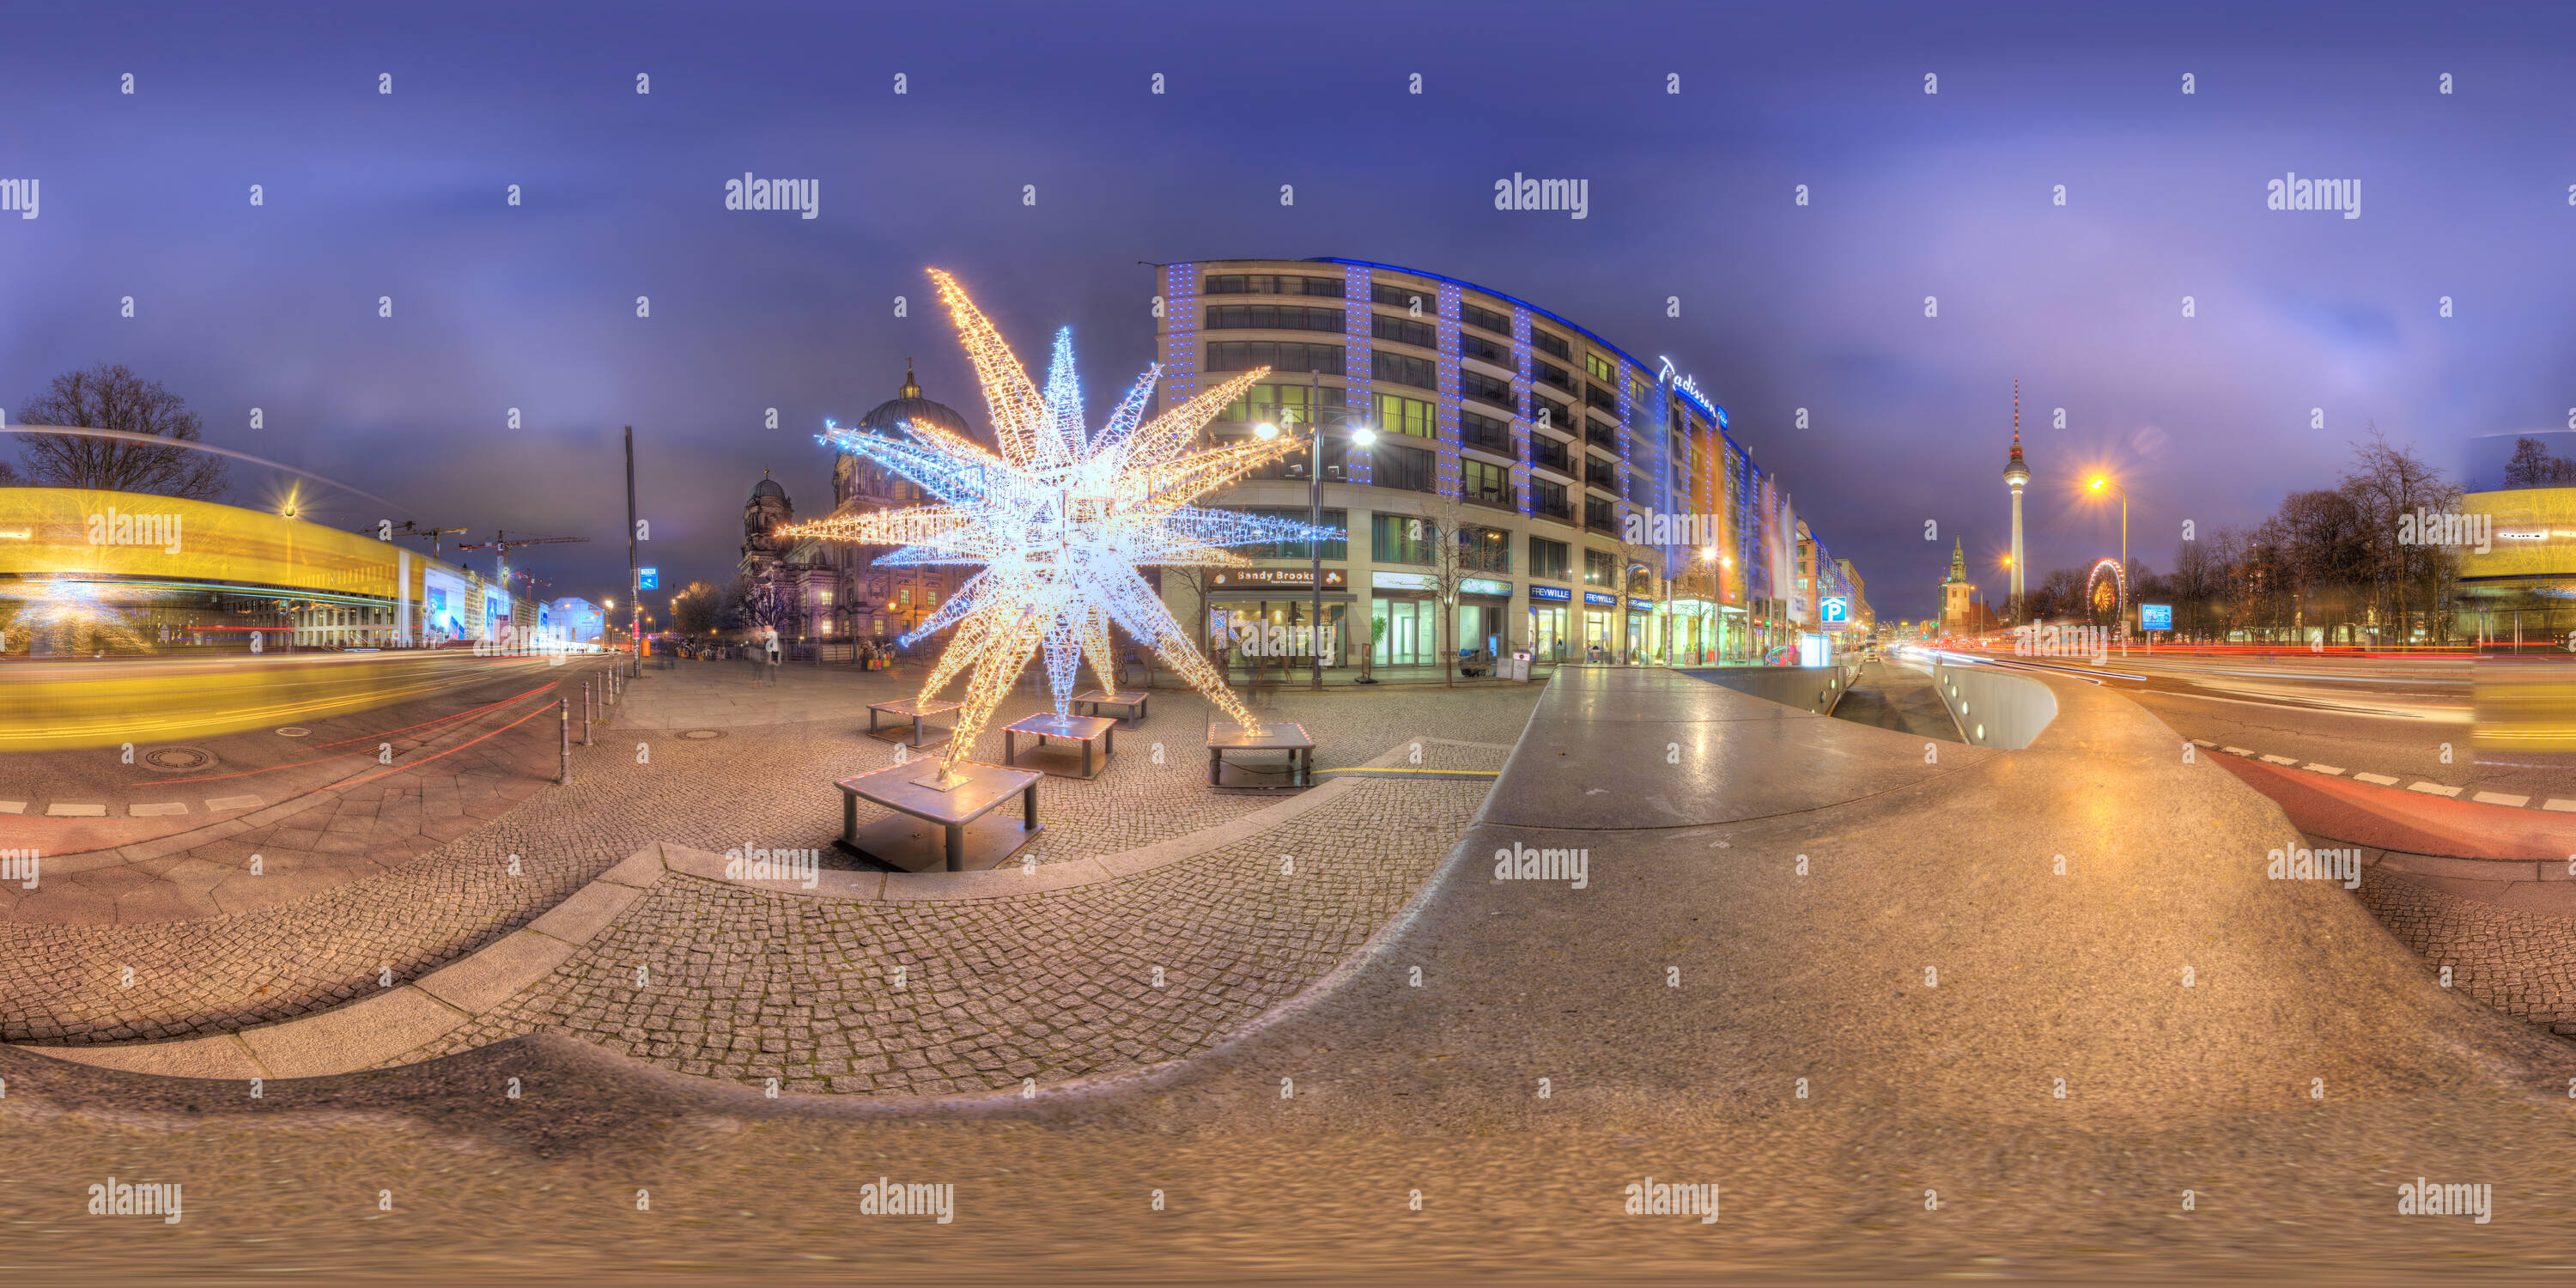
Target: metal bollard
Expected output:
[563,724]
[589,713]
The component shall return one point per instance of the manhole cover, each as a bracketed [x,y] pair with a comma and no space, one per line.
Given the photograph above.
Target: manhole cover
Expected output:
[178,758]
[293,731]
[703,734]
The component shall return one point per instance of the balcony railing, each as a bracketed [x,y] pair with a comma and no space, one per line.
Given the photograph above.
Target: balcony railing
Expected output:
[1550,453]
[1498,441]
[1556,509]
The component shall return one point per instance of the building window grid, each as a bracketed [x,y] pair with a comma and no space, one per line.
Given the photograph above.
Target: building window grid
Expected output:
[1450,476]
[1180,343]
[1519,421]
[1626,444]
[1359,390]
[1735,486]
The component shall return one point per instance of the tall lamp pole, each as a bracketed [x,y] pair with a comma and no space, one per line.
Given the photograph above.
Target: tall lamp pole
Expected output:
[634,577]
[2122,582]
[1361,435]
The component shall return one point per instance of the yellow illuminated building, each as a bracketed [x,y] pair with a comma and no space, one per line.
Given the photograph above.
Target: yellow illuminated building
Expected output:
[119,572]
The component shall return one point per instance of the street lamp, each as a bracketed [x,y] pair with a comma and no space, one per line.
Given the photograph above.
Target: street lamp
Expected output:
[1362,436]
[2122,582]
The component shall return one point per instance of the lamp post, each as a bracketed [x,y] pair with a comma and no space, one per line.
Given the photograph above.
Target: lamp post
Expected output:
[1361,435]
[2121,583]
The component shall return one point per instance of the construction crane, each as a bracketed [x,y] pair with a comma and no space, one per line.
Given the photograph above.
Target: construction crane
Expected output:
[411,528]
[501,543]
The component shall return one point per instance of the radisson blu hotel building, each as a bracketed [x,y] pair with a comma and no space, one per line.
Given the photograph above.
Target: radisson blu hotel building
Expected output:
[87,572]
[1597,499]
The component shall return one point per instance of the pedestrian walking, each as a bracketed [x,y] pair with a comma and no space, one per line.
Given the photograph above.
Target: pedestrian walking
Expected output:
[769,644]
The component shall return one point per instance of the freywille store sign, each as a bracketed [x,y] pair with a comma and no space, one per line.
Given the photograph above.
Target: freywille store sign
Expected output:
[1275,577]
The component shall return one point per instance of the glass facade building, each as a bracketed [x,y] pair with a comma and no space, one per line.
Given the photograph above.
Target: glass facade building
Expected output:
[1601,507]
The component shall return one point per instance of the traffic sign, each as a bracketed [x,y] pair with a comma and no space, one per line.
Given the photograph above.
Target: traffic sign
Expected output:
[648,579]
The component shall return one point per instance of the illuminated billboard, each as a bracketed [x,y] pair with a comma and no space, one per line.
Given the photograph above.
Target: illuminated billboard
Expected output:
[446,610]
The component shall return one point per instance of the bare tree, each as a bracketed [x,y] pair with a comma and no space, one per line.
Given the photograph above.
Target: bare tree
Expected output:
[113,397]
[1195,579]
[1639,558]
[694,611]
[2388,483]
[1461,546]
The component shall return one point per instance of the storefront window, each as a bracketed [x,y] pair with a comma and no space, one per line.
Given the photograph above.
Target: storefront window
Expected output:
[1411,631]
[1547,634]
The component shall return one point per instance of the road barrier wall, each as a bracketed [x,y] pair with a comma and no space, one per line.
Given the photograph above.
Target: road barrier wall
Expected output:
[1995,708]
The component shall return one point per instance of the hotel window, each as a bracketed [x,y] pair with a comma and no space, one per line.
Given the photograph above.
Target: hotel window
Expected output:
[1404,468]
[1484,481]
[1597,514]
[1599,366]
[1399,539]
[1600,568]
[1547,558]
[1278,355]
[1485,549]
[1485,388]
[1486,432]
[1599,397]
[1412,417]
[1404,330]
[1265,402]
[1421,373]
[1272,317]
[1487,319]
[1543,370]
[1404,297]
[1547,497]
[1551,344]
[1551,414]
[1483,350]
[1269,284]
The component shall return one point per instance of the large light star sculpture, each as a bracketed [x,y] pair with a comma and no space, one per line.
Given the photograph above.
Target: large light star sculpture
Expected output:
[1060,521]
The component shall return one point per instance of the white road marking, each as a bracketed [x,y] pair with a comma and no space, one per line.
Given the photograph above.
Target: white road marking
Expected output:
[2236,751]
[2563,807]
[2435,789]
[2324,769]
[2381,779]
[2282,760]
[76,811]
[13,807]
[2500,798]
[218,804]
[2204,742]
[158,809]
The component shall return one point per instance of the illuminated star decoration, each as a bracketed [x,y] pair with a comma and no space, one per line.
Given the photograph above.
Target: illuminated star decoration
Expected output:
[1060,522]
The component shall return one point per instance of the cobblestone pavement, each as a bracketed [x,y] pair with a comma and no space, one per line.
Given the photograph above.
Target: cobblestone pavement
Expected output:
[769,787]
[937,997]
[2521,963]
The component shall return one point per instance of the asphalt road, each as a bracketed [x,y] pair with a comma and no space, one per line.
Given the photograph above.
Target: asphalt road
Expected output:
[70,722]
[2409,719]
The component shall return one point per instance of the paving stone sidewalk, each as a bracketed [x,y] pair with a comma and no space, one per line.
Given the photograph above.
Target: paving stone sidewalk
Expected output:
[2522,963]
[951,996]
[766,786]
